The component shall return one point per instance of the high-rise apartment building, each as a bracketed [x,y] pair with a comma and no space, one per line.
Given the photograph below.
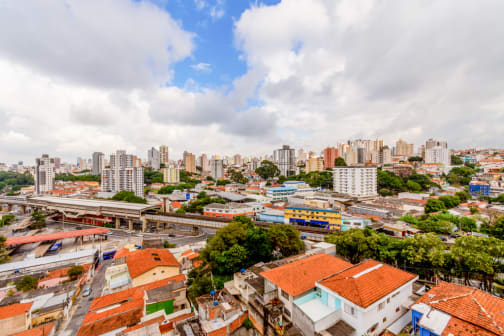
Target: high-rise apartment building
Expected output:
[189,162]
[217,169]
[350,157]
[164,157]
[254,164]
[382,156]
[57,163]
[437,154]
[404,148]
[122,175]
[314,164]
[237,160]
[302,155]
[171,175]
[98,163]
[153,158]
[285,158]
[355,181]
[361,155]
[435,143]
[378,144]
[330,154]
[44,174]
[203,163]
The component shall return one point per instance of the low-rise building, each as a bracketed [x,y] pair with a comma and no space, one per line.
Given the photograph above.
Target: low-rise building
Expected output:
[350,222]
[479,188]
[228,210]
[15,318]
[272,215]
[451,309]
[280,193]
[325,218]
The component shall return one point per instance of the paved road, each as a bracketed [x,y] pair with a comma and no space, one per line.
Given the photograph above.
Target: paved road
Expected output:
[83,303]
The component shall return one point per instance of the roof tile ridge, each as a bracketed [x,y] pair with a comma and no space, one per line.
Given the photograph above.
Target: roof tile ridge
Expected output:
[452,298]
[494,322]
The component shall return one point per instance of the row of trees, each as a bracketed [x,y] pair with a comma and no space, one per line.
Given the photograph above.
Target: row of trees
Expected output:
[14,181]
[70,177]
[241,244]
[442,223]
[469,258]
[315,179]
[390,183]
[128,196]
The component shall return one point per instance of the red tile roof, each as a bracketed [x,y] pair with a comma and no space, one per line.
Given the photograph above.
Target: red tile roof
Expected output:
[62,272]
[123,252]
[468,304]
[458,327]
[112,299]
[42,330]
[300,276]
[163,282]
[367,282]
[142,261]
[14,310]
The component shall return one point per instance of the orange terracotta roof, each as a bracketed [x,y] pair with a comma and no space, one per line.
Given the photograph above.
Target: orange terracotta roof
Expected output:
[157,320]
[42,330]
[468,304]
[367,282]
[112,299]
[63,272]
[176,204]
[163,282]
[142,261]
[458,327]
[14,310]
[414,200]
[123,252]
[113,319]
[299,276]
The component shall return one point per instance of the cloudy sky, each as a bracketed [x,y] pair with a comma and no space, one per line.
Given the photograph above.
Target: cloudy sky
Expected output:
[240,76]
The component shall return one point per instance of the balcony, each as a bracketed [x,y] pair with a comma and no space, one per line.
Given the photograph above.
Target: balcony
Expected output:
[312,315]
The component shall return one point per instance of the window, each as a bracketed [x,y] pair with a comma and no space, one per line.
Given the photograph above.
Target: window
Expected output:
[388,300]
[349,309]
[395,294]
[381,306]
[176,294]
[285,295]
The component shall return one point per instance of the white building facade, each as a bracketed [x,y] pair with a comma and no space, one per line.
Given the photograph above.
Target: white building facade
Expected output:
[355,181]
[44,174]
[122,175]
[438,154]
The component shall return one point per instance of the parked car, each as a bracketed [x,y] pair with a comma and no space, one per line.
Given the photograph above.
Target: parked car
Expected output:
[86,291]
[171,235]
[443,238]
[455,235]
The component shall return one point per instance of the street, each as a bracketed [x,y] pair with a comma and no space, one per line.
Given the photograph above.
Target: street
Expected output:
[82,304]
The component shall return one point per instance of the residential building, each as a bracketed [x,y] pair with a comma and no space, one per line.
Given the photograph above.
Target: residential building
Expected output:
[325,218]
[189,162]
[253,164]
[362,299]
[438,155]
[314,164]
[403,170]
[350,222]
[452,309]
[330,155]
[350,157]
[153,159]
[98,163]
[382,156]
[280,193]
[171,175]
[220,314]
[431,143]
[273,215]
[228,210]
[285,158]
[355,181]
[237,160]
[15,318]
[217,168]
[47,329]
[404,148]
[149,265]
[479,188]
[44,174]
[361,155]
[302,156]
[164,156]
[122,175]
[203,162]
[169,297]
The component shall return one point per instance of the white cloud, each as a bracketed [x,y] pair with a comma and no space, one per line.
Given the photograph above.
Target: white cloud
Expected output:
[203,67]
[200,4]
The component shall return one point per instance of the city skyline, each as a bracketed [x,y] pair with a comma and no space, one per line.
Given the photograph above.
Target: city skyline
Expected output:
[200,76]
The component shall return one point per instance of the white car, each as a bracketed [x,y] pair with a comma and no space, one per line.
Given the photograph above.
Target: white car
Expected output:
[86,292]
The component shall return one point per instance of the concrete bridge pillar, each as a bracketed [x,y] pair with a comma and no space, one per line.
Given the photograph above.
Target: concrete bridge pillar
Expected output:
[144,224]
[23,209]
[130,224]
[117,222]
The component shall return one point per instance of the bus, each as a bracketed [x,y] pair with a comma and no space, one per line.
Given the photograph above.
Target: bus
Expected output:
[55,248]
[109,254]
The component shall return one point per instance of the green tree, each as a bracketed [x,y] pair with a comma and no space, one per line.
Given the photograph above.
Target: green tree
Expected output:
[4,257]
[463,196]
[495,230]
[152,176]
[467,224]
[128,196]
[415,158]
[285,239]
[434,205]
[223,182]
[354,244]
[75,271]
[450,201]
[339,162]
[413,186]
[455,160]
[27,283]
[232,260]
[237,177]
[7,219]
[38,220]
[258,245]
[267,170]
[425,253]
[209,178]
[460,175]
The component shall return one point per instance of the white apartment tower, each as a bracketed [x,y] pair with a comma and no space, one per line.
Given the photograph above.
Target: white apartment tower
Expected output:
[44,174]
[217,168]
[438,154]
[122,175]
[163,155]
[285,158]
[171,175]
[98,163]
[153,158]
[355,181]
[203,163]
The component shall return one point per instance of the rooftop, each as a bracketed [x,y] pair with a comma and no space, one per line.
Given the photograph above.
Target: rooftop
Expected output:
[42,330]
[47,260]
[14,310]
[300,276]
[92,203]
[469,305]
[367,282]
[228,206]
[55,236]
[142,261]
